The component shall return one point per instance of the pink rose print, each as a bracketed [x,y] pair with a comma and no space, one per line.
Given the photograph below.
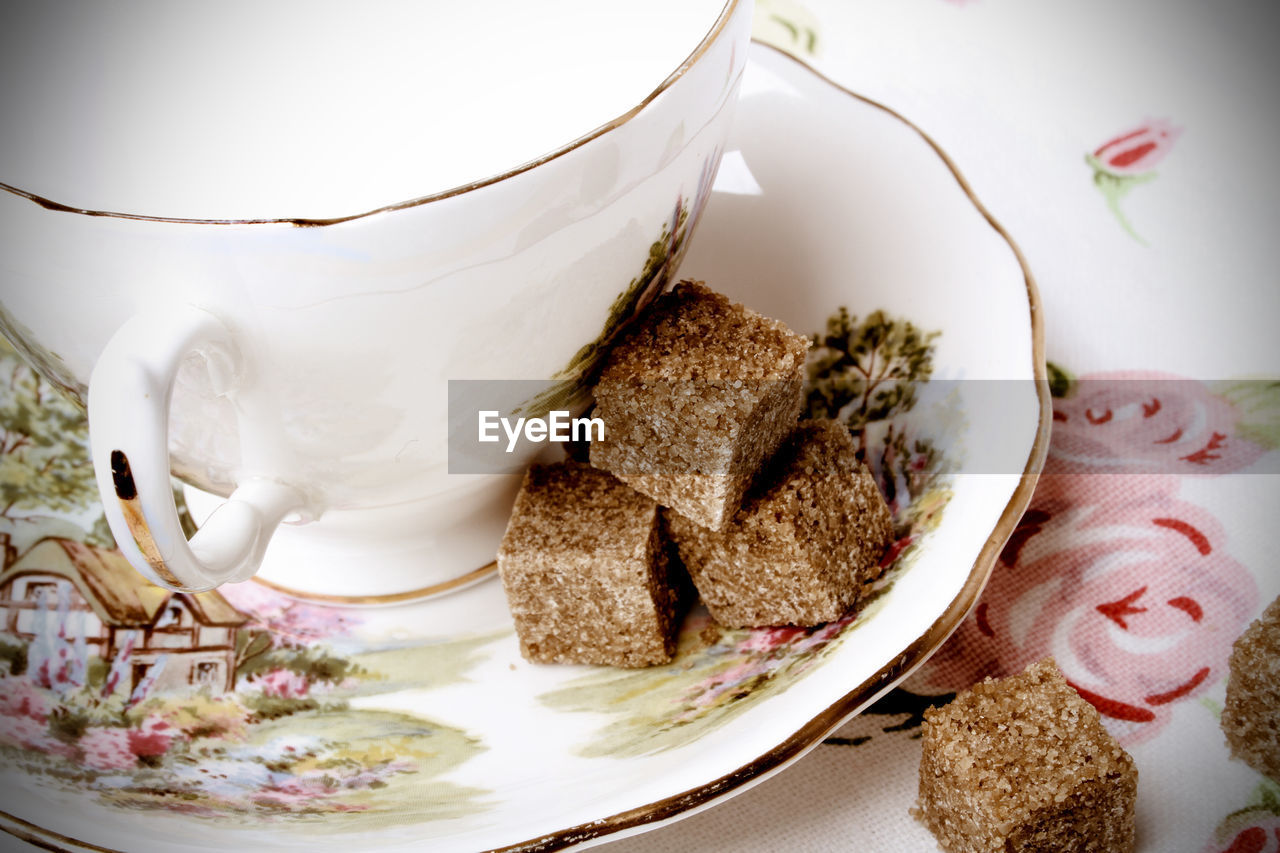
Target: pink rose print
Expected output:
[1129,588]
[1127,160]
[1146,422]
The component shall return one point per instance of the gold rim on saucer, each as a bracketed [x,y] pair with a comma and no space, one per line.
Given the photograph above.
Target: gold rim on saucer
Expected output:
[474,576]
[865,693]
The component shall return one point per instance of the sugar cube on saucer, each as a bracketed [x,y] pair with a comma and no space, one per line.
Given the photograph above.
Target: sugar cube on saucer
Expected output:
[809,535]
[587,571]
[1024,764]
[694,398]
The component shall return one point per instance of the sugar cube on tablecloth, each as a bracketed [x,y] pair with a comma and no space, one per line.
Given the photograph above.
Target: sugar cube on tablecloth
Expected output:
[809,535]
[1024,764]
[1251,714]
[694,398]
[587,571]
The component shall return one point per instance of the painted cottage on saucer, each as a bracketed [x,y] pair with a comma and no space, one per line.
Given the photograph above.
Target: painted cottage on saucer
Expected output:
[92,596]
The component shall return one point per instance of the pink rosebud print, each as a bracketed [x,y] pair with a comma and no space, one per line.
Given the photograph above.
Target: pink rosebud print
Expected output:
[1147,422]
[1129,159]
[1250,830]
[1254,839]
[1139,149]
[1129,588]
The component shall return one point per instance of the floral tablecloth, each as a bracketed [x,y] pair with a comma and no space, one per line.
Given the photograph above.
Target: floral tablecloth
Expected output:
[1128,149]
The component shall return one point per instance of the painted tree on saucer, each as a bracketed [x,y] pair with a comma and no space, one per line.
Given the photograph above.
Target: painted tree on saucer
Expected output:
[42,438]
[868,374]
[47,485]
[863,372]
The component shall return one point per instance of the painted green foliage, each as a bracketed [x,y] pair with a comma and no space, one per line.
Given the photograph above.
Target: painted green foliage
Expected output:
[1114,188]
[787,25]
[570,388]
[1258,402]
[1061,381]
[860,373]
[664,254]
[44,460]
[868,371]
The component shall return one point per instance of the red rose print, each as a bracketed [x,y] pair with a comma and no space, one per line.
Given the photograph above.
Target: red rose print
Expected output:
[1144,422]
[1138,150]
[1128,587]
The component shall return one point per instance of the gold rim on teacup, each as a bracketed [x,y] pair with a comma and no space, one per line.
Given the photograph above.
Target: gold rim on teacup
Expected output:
[302,221]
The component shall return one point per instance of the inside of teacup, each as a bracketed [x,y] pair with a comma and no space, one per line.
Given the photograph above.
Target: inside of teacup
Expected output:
[247,110]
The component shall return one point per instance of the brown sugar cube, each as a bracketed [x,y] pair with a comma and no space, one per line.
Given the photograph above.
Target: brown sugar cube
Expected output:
[810,534]
[694,398]
[1251,715]
[587,571]
[1024,764]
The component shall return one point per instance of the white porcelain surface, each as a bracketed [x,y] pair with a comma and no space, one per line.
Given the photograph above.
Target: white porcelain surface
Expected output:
[314,108]
[825,201]
[346,332]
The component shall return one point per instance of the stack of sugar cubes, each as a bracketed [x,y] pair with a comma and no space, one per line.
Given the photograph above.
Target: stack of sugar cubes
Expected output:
[704,468]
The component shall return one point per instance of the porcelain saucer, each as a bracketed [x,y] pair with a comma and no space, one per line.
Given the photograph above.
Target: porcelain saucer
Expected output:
[136,719]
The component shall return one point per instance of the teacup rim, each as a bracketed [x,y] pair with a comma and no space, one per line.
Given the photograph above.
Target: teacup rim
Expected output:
[712,36]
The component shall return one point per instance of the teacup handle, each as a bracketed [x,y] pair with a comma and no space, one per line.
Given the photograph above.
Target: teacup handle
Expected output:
[129,393]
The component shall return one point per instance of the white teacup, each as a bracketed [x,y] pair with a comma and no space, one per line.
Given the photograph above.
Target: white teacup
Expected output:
[275,319]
